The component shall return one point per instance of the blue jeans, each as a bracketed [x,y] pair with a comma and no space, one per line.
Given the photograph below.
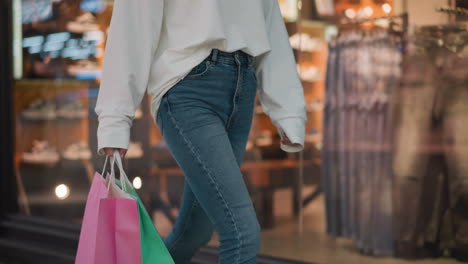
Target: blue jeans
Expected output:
[205,120]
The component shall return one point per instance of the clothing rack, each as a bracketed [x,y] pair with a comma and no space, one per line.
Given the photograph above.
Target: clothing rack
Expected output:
[397,28]
[403,16]
[453,10]
[455,28]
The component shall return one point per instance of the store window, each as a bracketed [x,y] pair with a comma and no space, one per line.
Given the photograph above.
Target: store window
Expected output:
[58,51]
[58,56]
[351,194]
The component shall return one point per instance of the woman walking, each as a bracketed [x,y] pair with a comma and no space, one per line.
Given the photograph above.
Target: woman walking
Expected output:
[202,62]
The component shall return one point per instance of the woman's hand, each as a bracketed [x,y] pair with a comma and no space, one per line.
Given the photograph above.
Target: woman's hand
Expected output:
[285,140]
[110,152]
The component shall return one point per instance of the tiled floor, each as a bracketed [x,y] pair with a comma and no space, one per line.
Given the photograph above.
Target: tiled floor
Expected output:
[312,244]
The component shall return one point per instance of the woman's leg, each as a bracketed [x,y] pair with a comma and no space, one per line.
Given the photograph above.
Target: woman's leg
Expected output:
[191,231]
[196,134]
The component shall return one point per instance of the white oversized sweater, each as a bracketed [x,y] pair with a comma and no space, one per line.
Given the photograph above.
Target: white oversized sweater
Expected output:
[153,44]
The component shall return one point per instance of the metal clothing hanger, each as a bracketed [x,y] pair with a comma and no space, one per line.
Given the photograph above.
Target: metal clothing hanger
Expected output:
[454,10]
[452,37]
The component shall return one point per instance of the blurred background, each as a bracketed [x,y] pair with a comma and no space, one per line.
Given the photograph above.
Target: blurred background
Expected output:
[383,177]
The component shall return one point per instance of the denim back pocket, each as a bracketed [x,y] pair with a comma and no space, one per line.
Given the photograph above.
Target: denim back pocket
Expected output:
[199,71]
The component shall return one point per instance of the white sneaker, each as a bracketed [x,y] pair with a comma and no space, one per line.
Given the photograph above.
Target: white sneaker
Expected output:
[288,10]
[138,113]
[84,69]
[315,106]
[135,150]
[314,137]
[40,110]
[304,42]
[41,153]
[72,110]
[77,151]
[309,74]
[264,139]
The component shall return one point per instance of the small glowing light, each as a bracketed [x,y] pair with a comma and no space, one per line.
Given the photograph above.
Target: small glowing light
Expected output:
[62,191]
[368,11]
[137,183]
[350,13]
[387,8]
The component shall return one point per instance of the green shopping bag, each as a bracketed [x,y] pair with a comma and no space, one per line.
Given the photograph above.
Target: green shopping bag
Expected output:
[153,249]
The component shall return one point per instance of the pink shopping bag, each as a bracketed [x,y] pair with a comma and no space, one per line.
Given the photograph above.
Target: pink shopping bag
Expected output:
[110,231]
[118,232]
[87,243]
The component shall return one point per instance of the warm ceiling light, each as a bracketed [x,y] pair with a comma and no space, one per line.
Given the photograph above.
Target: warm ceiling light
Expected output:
[368,11]
[62,191]
[387,8]
[350,13]
[137,183]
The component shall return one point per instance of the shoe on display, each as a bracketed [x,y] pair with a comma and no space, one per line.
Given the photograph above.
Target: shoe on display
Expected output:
[314,136]
[35,10]
[77,151]
[249,145]
[84,69]
[94,6]
[40,110]
[258,109]
[135,150]
[72,110]
[325,7]
[138,113]
[309,74]
[264,139]
[315,106]
[303,42]
[83,23]
[289,9]
[42,153]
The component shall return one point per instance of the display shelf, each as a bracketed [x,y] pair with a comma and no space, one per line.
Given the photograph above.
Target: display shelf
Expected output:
[28,120]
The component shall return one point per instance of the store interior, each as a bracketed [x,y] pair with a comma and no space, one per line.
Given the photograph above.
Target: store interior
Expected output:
[382,177]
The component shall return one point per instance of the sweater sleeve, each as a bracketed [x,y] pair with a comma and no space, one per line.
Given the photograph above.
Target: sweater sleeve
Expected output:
[132,40]
[280,90]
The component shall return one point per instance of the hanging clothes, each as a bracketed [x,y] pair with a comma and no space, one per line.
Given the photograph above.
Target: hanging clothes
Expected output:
[363,71]
[430,159]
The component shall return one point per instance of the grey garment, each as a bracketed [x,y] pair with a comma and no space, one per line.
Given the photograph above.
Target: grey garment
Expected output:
[356,175]
[329,150]
[341,125]
[432,119]
[326,153]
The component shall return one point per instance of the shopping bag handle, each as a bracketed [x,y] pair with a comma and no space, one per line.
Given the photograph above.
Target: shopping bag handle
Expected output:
[124,181]
[104,167]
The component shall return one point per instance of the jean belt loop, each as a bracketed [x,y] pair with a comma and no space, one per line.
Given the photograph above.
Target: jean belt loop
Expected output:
[236,58]
[214,56]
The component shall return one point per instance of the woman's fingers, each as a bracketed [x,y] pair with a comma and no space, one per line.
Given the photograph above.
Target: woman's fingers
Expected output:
[285,139]
[110,151]
[122,152]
